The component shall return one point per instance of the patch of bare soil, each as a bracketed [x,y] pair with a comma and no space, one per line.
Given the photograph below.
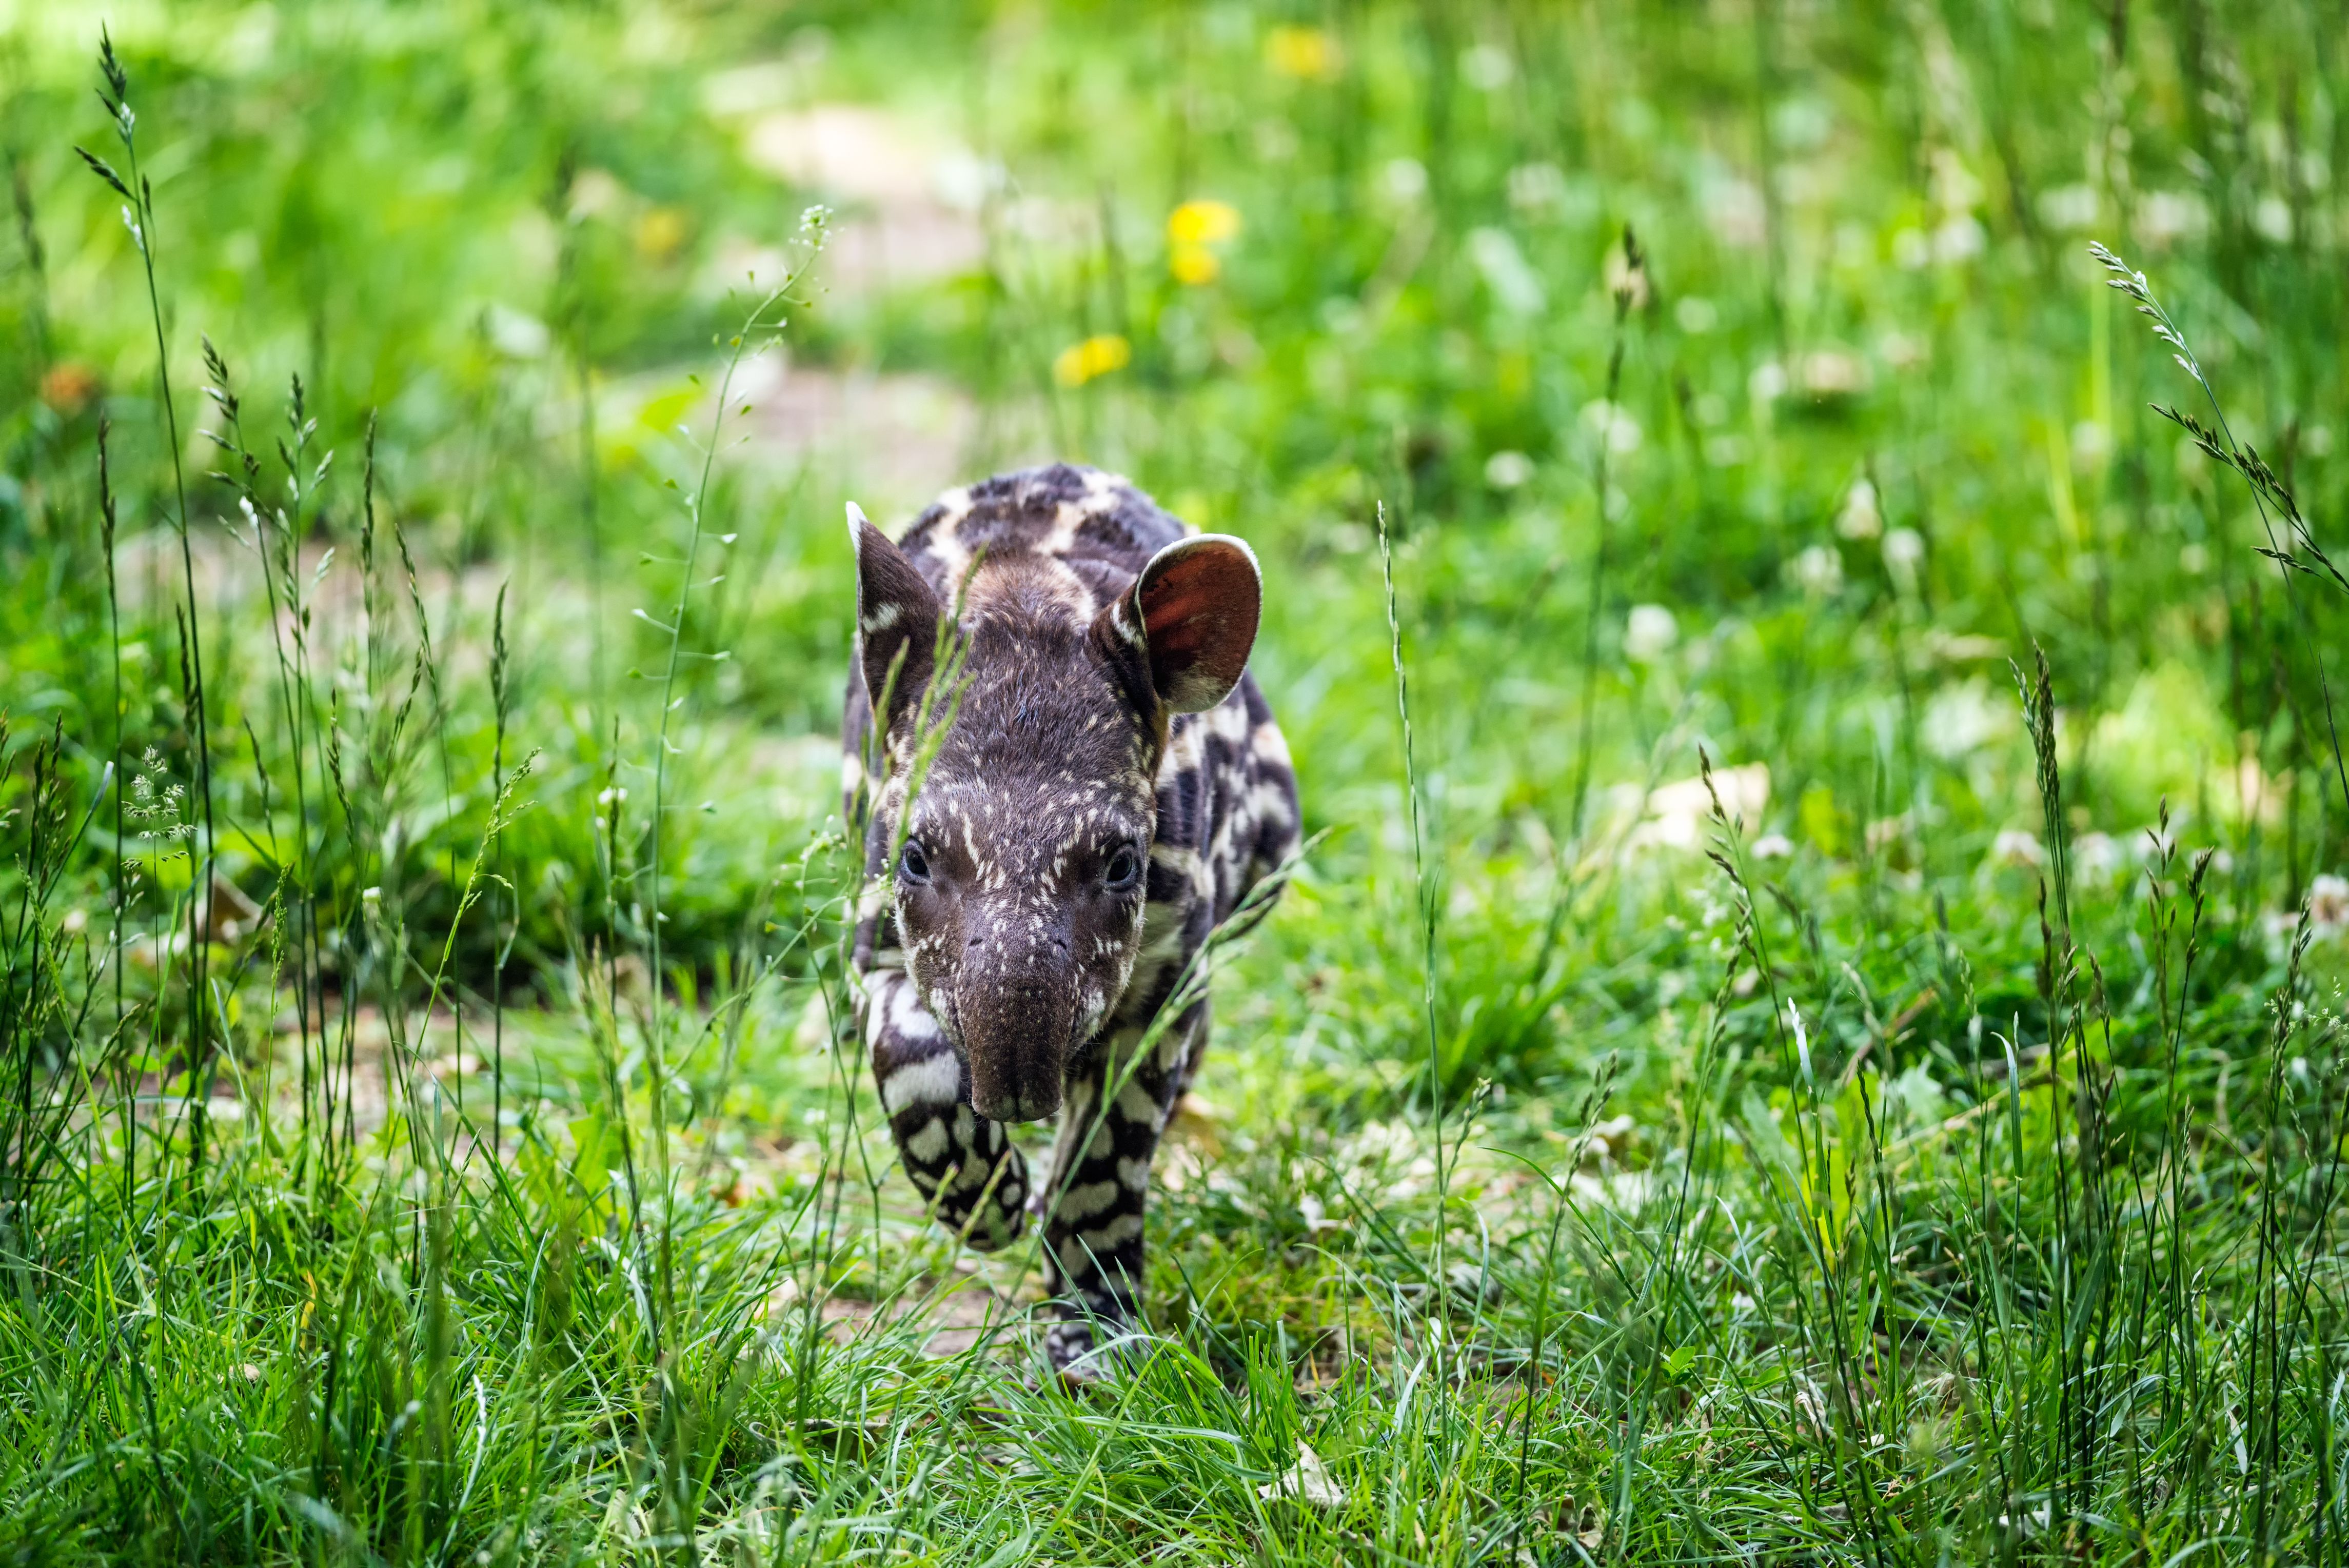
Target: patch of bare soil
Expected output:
[955,1313]
[898,438]
[907,198]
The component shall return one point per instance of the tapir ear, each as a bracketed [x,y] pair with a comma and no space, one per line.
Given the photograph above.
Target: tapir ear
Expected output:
[1193,614]
[896,618]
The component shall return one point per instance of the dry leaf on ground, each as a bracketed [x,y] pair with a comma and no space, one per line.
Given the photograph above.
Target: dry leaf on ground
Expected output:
[1309,1481]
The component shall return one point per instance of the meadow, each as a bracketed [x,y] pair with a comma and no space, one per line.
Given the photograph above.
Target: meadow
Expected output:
[1809,1027]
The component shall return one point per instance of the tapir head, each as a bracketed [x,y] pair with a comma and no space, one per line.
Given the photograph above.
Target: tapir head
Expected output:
[1022,744]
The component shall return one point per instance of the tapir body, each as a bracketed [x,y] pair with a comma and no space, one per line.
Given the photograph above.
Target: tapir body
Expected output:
[1062,793]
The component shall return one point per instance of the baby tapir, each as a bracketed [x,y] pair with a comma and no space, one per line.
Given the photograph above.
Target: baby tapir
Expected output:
[1111,787]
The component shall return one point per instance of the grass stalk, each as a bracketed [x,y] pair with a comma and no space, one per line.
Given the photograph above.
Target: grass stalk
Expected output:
[139,219]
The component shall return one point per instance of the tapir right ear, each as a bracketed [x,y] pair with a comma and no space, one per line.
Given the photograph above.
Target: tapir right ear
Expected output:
[1193,614]
[897,619]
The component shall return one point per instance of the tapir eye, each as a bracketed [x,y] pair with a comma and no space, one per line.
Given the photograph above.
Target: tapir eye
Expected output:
[912,865]
[1124,867]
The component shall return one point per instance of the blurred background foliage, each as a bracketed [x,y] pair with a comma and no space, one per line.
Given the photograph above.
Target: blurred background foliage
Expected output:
[1877,425]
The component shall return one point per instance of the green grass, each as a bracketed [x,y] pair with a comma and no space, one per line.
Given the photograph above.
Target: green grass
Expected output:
[1921,1145]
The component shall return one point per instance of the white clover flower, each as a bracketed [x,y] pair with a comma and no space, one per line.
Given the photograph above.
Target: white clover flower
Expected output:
[2017,847]
[1614,423]
[1649,633]
[2068,207]
[1404,180]
[1487,67]
[1817,570]
[2328,903]
[1904,549]
[1506,470]
[1859,518]
[1960,239]
[1511,278]
[2098,855]
[1536,187]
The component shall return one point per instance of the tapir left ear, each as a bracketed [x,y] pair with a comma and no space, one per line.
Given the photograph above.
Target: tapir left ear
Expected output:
[1193,614]
[897,619]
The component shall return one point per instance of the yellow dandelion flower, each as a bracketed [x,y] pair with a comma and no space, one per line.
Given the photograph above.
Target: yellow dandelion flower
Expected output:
[659,234]
[1193,264]
[1308,53]
[1202,222]
[1096,356]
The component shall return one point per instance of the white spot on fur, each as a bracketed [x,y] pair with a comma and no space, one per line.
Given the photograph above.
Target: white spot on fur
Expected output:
[929,1145]
[909,1018]
[1186,753]
[1271,744]
[1082,1202]
[884,985]
[1066,520]
[1173,1049]
[933,1080]
[1135,1104]
[1268,802]
[1124,1228]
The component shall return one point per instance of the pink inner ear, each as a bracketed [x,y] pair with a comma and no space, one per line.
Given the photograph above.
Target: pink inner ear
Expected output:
[1199,613]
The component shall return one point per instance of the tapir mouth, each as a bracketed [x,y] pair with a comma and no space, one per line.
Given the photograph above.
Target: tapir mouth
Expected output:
[1015,1039]
[1026,1088]
[1019,1107]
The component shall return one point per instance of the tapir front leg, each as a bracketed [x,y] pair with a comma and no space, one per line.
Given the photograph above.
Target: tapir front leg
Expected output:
[1100,1185]
[963,1164]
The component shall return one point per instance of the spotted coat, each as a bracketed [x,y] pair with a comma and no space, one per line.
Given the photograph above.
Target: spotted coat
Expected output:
[995,921]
